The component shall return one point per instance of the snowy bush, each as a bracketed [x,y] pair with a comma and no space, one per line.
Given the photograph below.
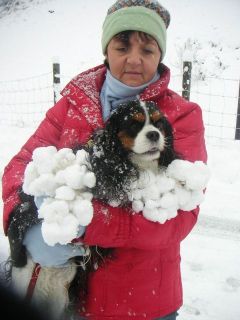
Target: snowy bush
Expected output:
[10,6]
[207,58]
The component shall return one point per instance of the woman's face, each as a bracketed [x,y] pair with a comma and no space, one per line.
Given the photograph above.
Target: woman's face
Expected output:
[133,61]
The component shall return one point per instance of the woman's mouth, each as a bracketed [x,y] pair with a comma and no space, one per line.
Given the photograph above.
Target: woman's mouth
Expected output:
[133,73]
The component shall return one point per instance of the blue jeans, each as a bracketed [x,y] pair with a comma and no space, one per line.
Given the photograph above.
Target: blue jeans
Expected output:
[171,316]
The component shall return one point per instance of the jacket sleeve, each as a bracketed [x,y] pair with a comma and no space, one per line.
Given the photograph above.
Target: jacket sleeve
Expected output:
[116,227]
[47,133]
[189,131]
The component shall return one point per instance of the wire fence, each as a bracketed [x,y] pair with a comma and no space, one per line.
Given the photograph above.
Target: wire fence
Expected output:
[219,100]
[24,102]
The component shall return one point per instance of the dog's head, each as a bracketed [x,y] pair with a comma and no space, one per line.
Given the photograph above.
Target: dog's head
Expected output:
[144,133]
[136,136]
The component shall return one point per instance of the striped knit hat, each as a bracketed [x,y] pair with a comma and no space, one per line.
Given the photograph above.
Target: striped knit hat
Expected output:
[147,16]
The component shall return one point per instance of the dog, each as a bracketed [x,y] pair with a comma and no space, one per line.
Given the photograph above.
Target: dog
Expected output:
[137,137]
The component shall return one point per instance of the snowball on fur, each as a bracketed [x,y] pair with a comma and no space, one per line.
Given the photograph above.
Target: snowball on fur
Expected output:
[137,205]
[74,177]
[30,175]
[65,193]
[87,195]
[196,199]
[184,195]
[64,180]
[83,210]
[155,214]
[44,160]
[179,169]
[53,210]
[64,157]
[82,157]
[169,200]
[198,178]
[160,196]
[89,180]
[164,183]
[62,232]
[43,185]
[194,175]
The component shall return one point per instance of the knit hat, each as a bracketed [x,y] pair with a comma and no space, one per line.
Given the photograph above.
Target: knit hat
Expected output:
[147,16]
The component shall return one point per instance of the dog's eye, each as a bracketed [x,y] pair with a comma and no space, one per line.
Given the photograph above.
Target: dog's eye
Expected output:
[159,124]
[135,126]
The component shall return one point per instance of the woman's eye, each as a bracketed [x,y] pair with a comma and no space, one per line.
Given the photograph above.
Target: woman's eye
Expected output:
[147,51]
[121,49]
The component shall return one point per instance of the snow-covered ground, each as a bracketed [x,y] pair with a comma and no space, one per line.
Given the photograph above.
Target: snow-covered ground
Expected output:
[71,31]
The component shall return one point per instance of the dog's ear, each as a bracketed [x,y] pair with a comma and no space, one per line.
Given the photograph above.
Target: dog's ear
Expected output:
[111,165]
[22,217]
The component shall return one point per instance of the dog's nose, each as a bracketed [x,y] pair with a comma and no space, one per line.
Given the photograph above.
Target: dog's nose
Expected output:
[153,136]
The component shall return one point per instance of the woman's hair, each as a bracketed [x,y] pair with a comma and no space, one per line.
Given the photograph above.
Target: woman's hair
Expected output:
[124,36]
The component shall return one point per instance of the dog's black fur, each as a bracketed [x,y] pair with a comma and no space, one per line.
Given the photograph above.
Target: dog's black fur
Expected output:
[114,170]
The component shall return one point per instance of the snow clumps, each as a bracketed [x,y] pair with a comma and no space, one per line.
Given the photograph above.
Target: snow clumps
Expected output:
[180,186]
[64,180]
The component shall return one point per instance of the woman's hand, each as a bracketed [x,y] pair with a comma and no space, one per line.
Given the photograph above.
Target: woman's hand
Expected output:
[50,256]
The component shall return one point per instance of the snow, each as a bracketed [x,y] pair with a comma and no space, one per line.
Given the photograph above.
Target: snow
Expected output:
[210,254]
[180,186]
[63,181]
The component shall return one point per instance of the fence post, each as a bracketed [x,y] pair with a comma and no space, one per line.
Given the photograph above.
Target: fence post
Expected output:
[237,132]
[56,81]
[186,80]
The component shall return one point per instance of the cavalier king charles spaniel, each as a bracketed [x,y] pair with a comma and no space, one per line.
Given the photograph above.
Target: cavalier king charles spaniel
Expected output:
[136,137]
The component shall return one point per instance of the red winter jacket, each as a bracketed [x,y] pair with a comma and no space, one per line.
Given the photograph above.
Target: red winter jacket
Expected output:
[143,281]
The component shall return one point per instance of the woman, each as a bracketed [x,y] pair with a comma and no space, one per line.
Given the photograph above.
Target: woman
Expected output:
[143,280]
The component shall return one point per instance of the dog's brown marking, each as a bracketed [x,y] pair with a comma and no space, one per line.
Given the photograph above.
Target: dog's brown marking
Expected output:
[140,117]
[127,141]
[155,116]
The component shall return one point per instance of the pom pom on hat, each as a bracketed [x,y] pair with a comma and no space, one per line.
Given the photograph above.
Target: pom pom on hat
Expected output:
[147,16]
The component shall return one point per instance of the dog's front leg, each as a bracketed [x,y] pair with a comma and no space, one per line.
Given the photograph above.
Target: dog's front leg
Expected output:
[51,289]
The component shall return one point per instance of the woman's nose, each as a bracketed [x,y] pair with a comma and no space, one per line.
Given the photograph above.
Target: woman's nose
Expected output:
[134,58]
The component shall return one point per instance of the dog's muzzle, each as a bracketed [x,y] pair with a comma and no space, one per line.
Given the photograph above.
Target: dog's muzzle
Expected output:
[153,136]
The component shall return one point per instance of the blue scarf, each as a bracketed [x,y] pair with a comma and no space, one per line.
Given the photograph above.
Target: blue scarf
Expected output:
[115,92]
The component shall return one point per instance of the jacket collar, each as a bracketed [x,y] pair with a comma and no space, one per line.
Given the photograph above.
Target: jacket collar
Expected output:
[84,92]
[157,89]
